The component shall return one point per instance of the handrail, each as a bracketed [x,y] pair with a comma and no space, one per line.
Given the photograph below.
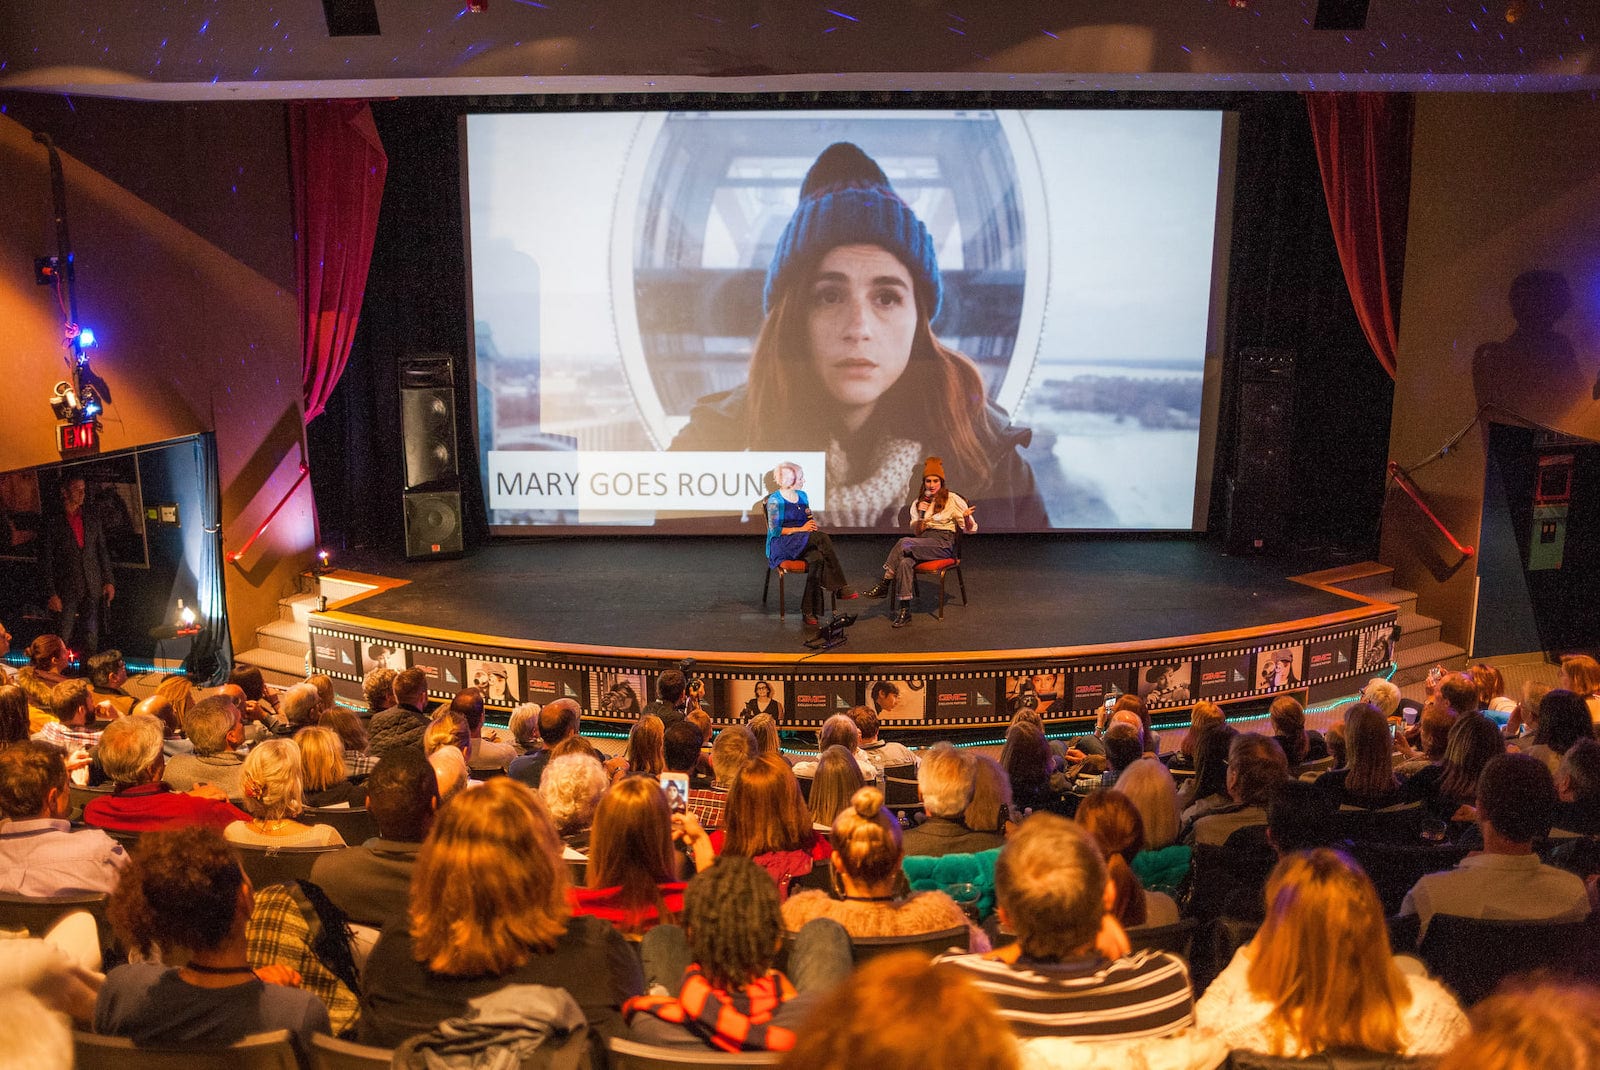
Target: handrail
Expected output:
[1410,488]
[251,541]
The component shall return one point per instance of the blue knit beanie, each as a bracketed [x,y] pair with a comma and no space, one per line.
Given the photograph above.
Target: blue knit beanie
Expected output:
[846,199]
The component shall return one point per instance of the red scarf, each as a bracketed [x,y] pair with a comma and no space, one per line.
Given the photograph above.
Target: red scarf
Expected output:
[731,1021]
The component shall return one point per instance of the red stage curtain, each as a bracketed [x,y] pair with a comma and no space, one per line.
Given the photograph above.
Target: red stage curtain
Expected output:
[1364,150]
[339,167]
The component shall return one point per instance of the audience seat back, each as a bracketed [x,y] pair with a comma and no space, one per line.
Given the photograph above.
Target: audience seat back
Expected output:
[37,914]
[900,785]
[261,1051]
[1339,1059]
[865,948]
[1177,938]
[1473,955]
[278,865]
[1394,824]
[330,1053]
[355,824]
[632,1055]
[1395,868]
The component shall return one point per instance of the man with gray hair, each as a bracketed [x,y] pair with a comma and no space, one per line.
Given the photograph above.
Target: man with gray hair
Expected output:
[298,707]
[131,755]
[215,728]
[1382,694]
[945,781]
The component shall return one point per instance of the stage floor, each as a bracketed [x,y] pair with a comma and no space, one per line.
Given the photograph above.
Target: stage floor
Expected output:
[1028,593]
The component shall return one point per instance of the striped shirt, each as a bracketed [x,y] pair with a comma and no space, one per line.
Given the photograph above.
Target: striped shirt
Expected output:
[1146,994]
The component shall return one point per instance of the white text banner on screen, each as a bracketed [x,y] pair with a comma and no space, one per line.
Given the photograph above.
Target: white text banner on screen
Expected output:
[624,480]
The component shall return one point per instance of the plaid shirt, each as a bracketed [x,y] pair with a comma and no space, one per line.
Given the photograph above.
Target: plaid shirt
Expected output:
[278,932]
[706,805]
[359,762]
[67,739]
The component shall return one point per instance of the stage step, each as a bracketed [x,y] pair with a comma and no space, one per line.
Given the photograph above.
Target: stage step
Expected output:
[1418,630]
[1399,596]
[1414,662]
[279,669]
[1370,579]
[284,637]
[298,608]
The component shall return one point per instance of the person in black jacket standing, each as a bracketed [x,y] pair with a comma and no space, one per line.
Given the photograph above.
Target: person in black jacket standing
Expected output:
[77,569]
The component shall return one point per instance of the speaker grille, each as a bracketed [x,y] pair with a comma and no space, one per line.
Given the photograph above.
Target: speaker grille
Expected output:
[433,524]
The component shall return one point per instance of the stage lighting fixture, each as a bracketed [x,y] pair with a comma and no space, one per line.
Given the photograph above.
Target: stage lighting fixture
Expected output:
[832,633]
[64,402]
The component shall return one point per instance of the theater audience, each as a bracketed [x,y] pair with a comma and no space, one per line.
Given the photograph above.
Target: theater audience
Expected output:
[448,729]
[326,699]
[214,730]
[1580,674]
[108,671]
[40,854]
[839,731]
[1578,789]
[450,767]
[1299,817]
[1114,822]
[1036,784]
[646,753]
[766,820]
[1070,974]
[325,780]
[874,897]
[523,724]
[184,893]
[836,780]
[352,737]
[1123,748]
[402,724]
[1450,789]
[1531,1024]
[557,722]
[1433,736]
[1367,780]
[298,707]
[132,757]
[1164,862]
[482,754]
[371,882]
[680,749]
[881,753]
[13,715]
[489,908]
[571,788]
[1300,747]
[1524,720]
[945,781]
[1492,692]
[632,877]
[733,747]
[172,741]
[723,989]
[71,707]
[272,788]
[902,1013]
[1516,801]
[1256,765]
[1203,716]
[260,701]
[1319,974]
[991,807]
[377,687]
[1563,720]
[1207,790]
[766,735]
[47,665]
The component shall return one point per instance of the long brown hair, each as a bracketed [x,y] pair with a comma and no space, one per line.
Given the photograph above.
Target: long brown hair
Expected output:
[1322,961]
[939,388]
[866,838]
[630,847]
[1117,828]
[1367,748]
[765,810]
[489,890]
[647,746]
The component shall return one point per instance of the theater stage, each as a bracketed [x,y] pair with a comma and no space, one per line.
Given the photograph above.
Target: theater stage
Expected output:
[571,615]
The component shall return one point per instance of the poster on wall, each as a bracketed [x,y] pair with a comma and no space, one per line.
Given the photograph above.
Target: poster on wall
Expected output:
[897,698]
[1375,649]
[963,700]
[1228,674]
[751,698]
[1327,658]
[546,683]
[1042,692]
[1166,683]
[445,672]
[1279,669]
[500,681]
[617,693]
[381,654]
[335,655]
[813,701]
[1091,687]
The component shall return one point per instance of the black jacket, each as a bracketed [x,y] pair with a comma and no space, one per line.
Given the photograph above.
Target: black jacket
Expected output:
[71,571]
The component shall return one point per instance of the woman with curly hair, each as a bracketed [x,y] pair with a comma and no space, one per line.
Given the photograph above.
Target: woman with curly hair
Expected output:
[490,907]
[184,897]
[273,797]
[632,875]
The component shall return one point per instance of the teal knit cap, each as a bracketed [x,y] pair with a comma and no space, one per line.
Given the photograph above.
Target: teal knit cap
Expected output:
[846,199]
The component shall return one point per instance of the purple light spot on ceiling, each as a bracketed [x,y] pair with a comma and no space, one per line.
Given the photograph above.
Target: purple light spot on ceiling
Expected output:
[841,14]
[204,26]
[952,29]
[533,3]
[1186,49]
[1052,36]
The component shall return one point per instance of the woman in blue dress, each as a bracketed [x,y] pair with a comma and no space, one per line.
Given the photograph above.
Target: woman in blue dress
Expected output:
[794,535]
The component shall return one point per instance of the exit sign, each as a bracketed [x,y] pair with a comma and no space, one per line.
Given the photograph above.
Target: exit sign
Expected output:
[78,438]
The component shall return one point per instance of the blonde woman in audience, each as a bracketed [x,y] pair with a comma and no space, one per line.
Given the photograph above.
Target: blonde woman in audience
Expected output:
[1524,720]
[646,754]
[1581,674]
[272,797]
[836,779]
[1319,974]
[765,729]
[490,907]
[766,820]
[447,730]
[990,808]
[179,692]
[1163,863]
[325,780]
[1532,1024]
[353,737]
[1203,716]
[326,700]
[1114,822]
[874,897]
[450,768]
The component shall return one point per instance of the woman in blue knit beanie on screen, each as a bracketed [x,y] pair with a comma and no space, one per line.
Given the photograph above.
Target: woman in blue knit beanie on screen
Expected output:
[847,364]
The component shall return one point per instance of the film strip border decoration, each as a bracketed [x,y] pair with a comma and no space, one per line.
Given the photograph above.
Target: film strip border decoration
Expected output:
[905,696]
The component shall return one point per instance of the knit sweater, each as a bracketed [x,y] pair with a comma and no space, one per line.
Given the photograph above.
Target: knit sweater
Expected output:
[925,912]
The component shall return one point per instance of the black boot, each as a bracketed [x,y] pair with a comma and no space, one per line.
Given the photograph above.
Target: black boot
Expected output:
[902,616]
[879,589]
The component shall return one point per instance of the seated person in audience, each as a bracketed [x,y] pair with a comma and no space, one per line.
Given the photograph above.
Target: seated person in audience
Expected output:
[945,783]
[1207,790]
[1531,1024]
[1289,729]
[765,729]
[1367,780]
[1578,789]
[766,820]
[13,715]
[723,988]
[571,788]
[131,754]
[358,762]
[33,1034]
[1319,974]
[272,796]
[881,753]
[71,704]
[173,742]
[874,897]
[107,673]
[646,754]
[448,729]
[991,807]
[1450,789]
[371,882]
[632,877]
[298,707]
[1163,863]
[1123,748]
[1580,674]
[214,730]
[1516,799]
[833,785]
[259,700]
[1037,782]
[1433,732]
[900,1012]
[450,766]
[377,687]
[1524,720]
[483,754]
[1384,694]
[39,853]
[490,907]
[733,747]
[1256,765]
[1563,720]
[1203,716]
[523,724]
[326,699]
[402,724]
[1070,973]
[1492,699]
[48,659]
[1114,822]
[557,722]
[184,894]
[680,749]
[324,779]
[839,731]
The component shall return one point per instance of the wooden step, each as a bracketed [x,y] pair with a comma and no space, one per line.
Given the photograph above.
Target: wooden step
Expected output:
[1415,662]
[279,669]
[284,637]
[1417,630]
